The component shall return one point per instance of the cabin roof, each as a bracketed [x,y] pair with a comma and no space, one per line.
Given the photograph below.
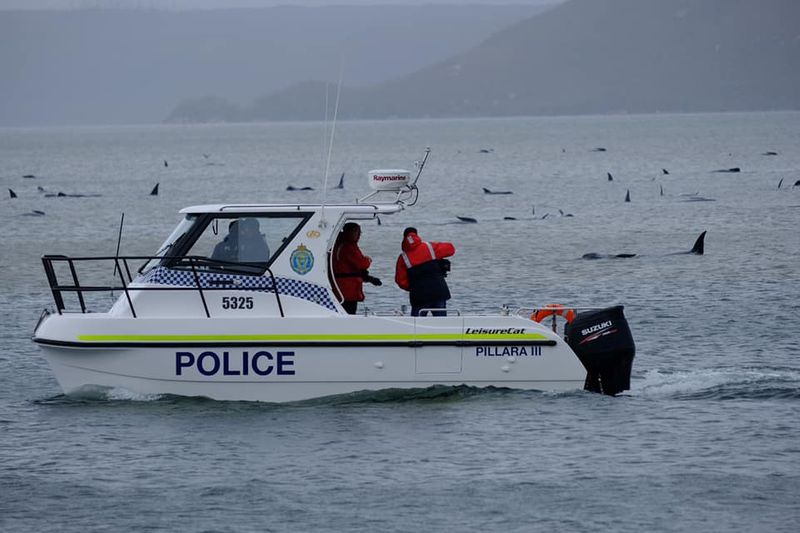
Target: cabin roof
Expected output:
[379,208]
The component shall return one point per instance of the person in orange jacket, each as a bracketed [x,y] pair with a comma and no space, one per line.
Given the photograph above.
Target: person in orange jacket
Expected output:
[350,268]
[421,270]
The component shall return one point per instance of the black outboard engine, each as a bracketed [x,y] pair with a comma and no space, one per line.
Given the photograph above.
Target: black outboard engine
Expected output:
[603,342]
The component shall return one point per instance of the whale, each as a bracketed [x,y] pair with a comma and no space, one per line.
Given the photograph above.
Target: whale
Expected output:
[780,183]
[34,213]
[599,149]
[548,214]
[341,182]
[610,177]
[628,195]
[664,171]
[29,176]
[695,198]
[593,255]
[770,153]
[60,194]
[732,169]
[489,191]
[293,188]
[796,183]
[697,249]
[154,192]
[468,220]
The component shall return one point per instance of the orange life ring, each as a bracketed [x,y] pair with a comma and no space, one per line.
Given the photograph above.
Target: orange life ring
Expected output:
[553,309]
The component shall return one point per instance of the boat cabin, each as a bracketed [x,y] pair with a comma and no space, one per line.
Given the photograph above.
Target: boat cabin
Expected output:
[273,258]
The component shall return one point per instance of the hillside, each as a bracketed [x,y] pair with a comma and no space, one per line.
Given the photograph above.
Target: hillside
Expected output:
[105,66]
[596,56]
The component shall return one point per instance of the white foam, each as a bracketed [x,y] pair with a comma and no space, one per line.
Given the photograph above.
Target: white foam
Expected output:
[121,394]
[660,383]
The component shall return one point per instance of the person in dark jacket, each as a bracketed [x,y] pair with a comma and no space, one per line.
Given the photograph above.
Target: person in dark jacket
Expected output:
[350,268]
[244,243]
[421,270]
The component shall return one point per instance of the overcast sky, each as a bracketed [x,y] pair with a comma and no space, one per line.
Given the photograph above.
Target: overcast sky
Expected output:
[212,4]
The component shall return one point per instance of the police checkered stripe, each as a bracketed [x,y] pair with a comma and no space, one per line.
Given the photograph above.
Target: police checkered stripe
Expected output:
[290,287]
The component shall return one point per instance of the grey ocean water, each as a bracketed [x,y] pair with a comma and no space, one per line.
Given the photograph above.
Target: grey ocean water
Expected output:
[707,439]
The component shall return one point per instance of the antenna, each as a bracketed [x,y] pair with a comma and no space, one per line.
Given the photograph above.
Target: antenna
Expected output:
[324,130]
[421,165]
[116,254]
[413,187]
[323,223]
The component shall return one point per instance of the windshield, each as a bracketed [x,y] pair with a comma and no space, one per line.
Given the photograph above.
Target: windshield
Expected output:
[242,243]
[182,229]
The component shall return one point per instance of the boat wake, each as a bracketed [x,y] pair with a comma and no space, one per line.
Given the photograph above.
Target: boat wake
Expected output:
[720,384]
[704,384]
[91,394]
[435,393]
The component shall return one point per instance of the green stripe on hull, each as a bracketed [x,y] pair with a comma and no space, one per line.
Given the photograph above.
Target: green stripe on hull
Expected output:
[309,337]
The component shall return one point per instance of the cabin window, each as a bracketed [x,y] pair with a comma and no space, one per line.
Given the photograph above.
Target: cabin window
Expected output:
[242,244]
[183,229]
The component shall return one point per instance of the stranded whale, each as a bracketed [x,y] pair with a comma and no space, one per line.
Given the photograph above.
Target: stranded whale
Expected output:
[697,249]
[60,194]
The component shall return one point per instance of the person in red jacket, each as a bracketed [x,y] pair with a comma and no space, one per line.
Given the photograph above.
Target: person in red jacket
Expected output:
[421,270]
[350,268]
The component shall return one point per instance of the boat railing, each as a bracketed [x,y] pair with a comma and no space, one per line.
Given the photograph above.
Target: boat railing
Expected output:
[123,276]
[530,312]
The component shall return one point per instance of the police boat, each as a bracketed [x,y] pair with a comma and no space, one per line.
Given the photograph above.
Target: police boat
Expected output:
[239,304]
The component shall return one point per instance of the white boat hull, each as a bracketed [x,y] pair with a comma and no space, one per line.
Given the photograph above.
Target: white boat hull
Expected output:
[224,359]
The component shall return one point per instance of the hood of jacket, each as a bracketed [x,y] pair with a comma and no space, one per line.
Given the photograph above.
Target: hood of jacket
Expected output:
[346,237]
[411,241]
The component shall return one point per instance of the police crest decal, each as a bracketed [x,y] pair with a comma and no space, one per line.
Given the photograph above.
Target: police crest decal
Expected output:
[302,260]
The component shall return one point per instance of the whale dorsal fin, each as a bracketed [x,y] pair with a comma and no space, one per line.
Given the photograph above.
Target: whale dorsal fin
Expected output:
[699,245]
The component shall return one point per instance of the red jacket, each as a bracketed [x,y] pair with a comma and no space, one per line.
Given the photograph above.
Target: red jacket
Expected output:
[418,252]
[348,266]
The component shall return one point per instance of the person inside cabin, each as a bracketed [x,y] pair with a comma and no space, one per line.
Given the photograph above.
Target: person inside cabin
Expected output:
[421,270]
[350,266]
[244,243]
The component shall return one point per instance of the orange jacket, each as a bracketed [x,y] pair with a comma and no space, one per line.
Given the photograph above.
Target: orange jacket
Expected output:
[418,251]
[348,266]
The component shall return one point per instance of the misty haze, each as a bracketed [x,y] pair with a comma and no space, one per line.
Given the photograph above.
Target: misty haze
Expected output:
[273,63]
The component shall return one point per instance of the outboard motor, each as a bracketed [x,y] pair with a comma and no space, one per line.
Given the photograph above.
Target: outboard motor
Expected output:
[603,342]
